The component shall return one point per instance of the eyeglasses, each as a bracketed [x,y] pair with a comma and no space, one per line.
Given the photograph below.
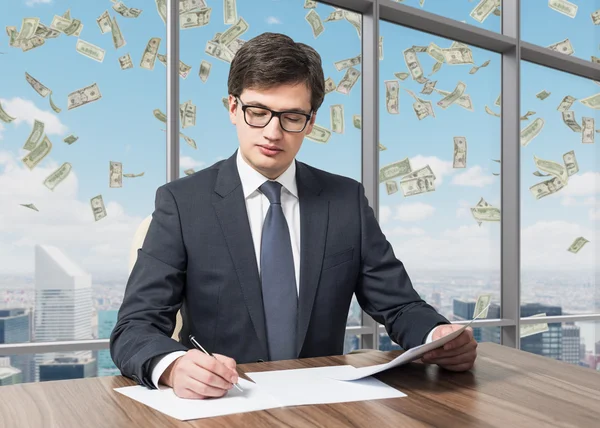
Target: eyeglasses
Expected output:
[259,117]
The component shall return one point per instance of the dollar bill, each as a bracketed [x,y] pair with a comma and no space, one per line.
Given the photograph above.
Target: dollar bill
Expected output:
[189,171]
[391,187]
[356,121]
[190,141]
[555,169]
[401,76]
[484,9]
[482,203]
[36,85]
[566,103]
[28,29]
[421,172]
[475,68]
[54,107]
[531,329]
[382,147]
[428,87]
[98,208]
[436,67]
[542,95]
[125,62]
[491,112]
[419,49]
[563,6]
[195,19]
[46,32]
[219,51]
[235,31]
[481,214]
[34,42]
[413,65]
[91,51]
[453,96]
[315,23]
[463,101]
[336,15]
[149,55]
[531,131]
[587,136]
[422,108]
[348,81]
[435,52]
[117,36]
[230,12]
[392,88]
[539,174]
[577,245]
[460,153]
[595,59]
[204,70]
[60,23]
[187,114]
[393,170]
[592,101]
[71,139]
[380,48]
[319,134]
[458,55]
[570,163]
[67,14]
[58,176]
[526,115]
[563,47]
[482,306]
[346,63]
[336,115]
[329,85]
[35,156]
[30,206]
[141,174]
[570,121]
[115,175]
[159,115]
[354,19]
[191,5]
[34,137]
[74,28]
[83,96]
[104,22]
[546,188]
[236,45]
[498,101]
[161,8]
[184,69]
[417,186]
[596,17]
[126,12]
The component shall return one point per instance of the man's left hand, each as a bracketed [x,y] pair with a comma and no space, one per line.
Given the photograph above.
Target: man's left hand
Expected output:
[457,355]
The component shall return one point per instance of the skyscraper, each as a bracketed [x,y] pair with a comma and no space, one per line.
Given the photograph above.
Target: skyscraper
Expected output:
[549,343]
[63,302]
[67,368]
[571,346]
[15,328]
[106,323]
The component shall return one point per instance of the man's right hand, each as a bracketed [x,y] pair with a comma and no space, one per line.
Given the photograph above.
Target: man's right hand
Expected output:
[197,375]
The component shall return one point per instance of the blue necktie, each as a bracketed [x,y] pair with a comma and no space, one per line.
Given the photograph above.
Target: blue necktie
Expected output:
[278,278]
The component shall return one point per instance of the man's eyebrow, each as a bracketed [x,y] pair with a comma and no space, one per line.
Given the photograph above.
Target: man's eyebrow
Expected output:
[259,104]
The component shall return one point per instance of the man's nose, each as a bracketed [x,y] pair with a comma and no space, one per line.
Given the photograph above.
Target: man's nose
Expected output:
[273,130]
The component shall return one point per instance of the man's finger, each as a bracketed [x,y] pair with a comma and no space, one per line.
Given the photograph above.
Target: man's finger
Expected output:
[229,362]
[442,353]
[457,359]
[459,367]
[462,339]
[212,364]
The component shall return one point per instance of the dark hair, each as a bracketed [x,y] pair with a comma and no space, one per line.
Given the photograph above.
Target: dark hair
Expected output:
[272,59]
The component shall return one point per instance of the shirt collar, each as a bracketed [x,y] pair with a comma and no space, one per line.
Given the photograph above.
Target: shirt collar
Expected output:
[252,179]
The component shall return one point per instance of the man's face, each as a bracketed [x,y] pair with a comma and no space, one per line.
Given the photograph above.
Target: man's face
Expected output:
[253,141]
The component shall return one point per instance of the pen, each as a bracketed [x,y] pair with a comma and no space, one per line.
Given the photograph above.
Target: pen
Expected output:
[198,346]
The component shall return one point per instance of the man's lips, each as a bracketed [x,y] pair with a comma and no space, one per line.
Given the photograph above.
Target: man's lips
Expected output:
[270,147]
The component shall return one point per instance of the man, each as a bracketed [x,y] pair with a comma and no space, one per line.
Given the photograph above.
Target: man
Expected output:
[263,253]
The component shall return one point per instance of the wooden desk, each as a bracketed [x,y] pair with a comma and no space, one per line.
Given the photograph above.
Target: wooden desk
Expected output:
[507,388]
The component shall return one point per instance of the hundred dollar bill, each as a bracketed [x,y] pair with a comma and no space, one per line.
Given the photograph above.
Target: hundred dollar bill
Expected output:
[191,5]
[539,174]
[460,152]
[416,186]
[126,12]
[463,101]
[98,208]
[230,12]
[35,156]
[587,136]
[117,36]
[28,29]
[141,174]
[491,112]
[36,85]
[336,114]
[401,76]
[421,172]
[570,121]
[435,52]
[36,133]
[83,96]
[577,244]
[382,147]
[57,176]
[436,67]
[204,70]
[482,214]
[195,19]
[149,55]
[452,97]
[563,6]
[74,28]
[354,19]
[393,170]
[46,32]
[54,107]
[190,141]
[563,47]
[419,49]
[571,163]
[336,15]
[34,42]
[189,171]
[236,45]
[104,22]
[546,188]
[531,131]
[161,8]
[498,100]
[348,81]
[414,66]
[314,20]
[592,101]
[219,51]
[319,134]
[184,69]
[329,85]
[349,62]
[566,103]
[596,17]
[391,187]
[125,62]
[188,114]
[482,306]
[67,14]
[235,31]
[115,175]
[30,206]
[542,95]
[526,115]
[60,23]
[459,55]
[531,329]
[391,96]
[484,9]
[91,51]
[555,169]
[475,68]
[422,108]
[356,121]
[428,87]
[482,203]
[71,139]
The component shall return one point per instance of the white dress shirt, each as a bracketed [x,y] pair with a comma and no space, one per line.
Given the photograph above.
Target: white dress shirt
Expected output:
[257,206]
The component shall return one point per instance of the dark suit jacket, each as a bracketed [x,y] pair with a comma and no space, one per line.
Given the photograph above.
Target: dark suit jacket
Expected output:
[199,256]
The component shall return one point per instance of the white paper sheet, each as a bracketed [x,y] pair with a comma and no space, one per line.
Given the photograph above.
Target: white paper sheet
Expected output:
[165,401]
[312,386]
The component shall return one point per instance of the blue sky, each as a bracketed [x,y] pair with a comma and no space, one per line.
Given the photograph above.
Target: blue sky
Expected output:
[434,230]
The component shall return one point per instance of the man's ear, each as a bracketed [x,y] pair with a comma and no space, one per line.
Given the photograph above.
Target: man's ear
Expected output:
[233,105]
[311,123]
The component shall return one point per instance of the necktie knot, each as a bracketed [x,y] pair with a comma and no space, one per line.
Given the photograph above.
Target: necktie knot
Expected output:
[272,190]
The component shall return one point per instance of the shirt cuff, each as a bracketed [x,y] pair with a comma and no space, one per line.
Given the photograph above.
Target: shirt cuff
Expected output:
[162,365]
[430,335]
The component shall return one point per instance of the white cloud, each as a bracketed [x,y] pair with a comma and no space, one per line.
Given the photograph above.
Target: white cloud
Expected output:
[2,128]
[568,201]
[271,20]
[474,177]
[34,2]
[439,167]
[413,212]
[25,111]
[187,162]
[404,231]
[590,201]
[594,214]
[385,213]
[464,209]
[584,184]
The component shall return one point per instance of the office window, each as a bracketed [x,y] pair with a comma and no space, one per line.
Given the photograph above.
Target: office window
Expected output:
[207,132]
[439,166]
[568,27]
[481,334]
[81,156]
[351,343]
[560,232]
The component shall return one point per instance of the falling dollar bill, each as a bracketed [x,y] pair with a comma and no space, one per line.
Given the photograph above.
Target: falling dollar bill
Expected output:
[195,19]
[126,12]
[596,17]
[531,329]
[189,171]
[422,108]
[391,187]
[71,139]
[553,168]
[336,15]
[417,186]
[546,188]
[498,101]
[482,214]
[30,206]
[161,8]
[435,52]
[98,208]
[348,81]
[392,88]
[346,63]
[336,115]
[149,55]
[34,137]
[453,96]
[191,5]
[531,131]
[89,50]
[187,113]
[329,85]
[115,175]
[566,103]
[382,147]
[571,163]
[563,47]
[236,30]
[54,107]
[141,174]
[190,141]
[460,152]
[463,101]
[482,203]
[475,68]
[219,51]
[159,115]
[539,174]
[35,156]
[58,176]
[428,87]
[319,134]
[484,9]
[482,306]
[28,29]
[587,136]
[592,101]
[401,76]
[393,170]
[491,112]
[458,55]
[413,65]
[36,85]
[542,95]
[563,6]
[354,19]
[104,22]
[380,48]
[184,69]
[230,12]
[125,62]
[83,96]
[526,115]
[356,121]
[204,70]
[570,121]
[577,244]
[436,67]
[421,172]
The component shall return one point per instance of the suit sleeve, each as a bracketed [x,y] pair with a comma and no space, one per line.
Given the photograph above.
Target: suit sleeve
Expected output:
[384,289]
[153,295]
